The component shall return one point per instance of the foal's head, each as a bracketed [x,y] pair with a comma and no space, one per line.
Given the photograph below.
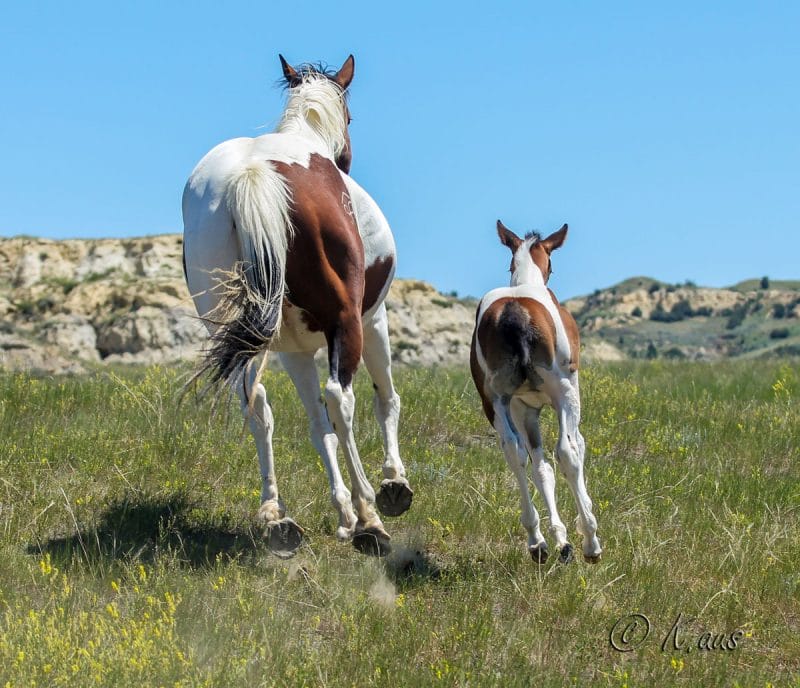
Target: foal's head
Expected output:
[326,108]
[531,256]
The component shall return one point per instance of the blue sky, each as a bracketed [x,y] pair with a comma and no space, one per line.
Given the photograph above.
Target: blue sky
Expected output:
[665,134]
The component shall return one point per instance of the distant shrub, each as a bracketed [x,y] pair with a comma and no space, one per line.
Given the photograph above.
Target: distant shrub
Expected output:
[690,284]
[674,353]
[651,352]
[671,288]
[779,333]
[653,288]
[658,314]
[764,284]
[679,311]
[636,312]
[779,311]
[442,303]
[737,316]
[403,345]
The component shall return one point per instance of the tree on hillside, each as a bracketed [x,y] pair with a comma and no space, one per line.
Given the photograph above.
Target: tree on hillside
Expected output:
[765,282]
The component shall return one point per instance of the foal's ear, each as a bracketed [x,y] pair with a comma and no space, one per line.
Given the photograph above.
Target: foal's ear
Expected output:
[555,240]
[345,75]
[289,72]
[507,237]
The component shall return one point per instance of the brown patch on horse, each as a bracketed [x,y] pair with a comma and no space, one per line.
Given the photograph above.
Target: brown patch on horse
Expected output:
[477,375]
[519,327]
[376,278]
[327,245]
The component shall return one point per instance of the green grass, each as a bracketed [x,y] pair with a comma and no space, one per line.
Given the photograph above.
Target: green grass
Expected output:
[127,555]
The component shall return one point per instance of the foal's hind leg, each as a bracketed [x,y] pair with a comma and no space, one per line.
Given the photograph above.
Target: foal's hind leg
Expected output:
[344,353]
[526,419]
[303,371]
[283,534]
[517,460]
[395,495]
[570,452]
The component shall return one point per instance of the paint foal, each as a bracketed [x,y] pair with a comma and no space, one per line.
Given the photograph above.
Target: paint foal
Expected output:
[284,251]
[525,352]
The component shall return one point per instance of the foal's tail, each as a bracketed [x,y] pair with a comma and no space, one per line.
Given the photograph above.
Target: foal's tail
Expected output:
[258,200]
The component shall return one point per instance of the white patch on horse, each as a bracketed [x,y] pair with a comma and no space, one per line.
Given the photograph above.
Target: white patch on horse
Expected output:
[347,204]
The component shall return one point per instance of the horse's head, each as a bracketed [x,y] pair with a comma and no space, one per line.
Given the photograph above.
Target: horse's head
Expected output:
[531,255]
[334,125]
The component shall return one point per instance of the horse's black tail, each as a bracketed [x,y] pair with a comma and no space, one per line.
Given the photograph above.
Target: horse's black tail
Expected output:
[248,315]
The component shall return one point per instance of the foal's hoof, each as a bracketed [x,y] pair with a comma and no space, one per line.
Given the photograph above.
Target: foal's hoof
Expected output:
[539,552]
[283,537]
[394,497]
[593,558]
[372,541]
[567,554]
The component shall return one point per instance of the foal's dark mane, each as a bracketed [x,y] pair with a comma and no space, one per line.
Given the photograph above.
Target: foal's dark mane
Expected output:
[533,235]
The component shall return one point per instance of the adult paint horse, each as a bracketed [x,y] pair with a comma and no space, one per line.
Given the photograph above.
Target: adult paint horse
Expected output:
[284,251]
[525,354]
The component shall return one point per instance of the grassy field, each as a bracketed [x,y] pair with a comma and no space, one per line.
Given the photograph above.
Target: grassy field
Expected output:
[127,557]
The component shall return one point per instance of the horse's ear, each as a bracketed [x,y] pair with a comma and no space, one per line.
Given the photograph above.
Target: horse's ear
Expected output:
[289,72]
[555,240]
[345,75]
[507,237]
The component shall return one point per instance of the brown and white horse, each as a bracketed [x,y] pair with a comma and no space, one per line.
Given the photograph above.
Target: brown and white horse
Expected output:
[284,251]
[525,354]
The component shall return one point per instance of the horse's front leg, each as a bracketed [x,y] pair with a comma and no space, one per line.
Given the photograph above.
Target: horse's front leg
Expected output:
[395,495]
[283,535]
[303,372]
[344,353]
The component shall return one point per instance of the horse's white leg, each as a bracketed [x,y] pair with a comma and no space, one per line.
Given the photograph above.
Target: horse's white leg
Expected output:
[341,404]
[517,459]
[526,419]
[570,452]
[395,495]
[303,372]
[258,414]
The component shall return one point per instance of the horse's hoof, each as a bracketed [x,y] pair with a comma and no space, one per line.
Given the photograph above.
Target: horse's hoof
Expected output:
[283,537]
[567,554]
[592,558]
[394,497]
[539,553]
[372,541]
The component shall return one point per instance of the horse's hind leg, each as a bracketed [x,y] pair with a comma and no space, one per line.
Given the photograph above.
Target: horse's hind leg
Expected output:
[283,535]
[395,495]
[517,460]
[344,353]
[303,372]
[526,420]
[570,452]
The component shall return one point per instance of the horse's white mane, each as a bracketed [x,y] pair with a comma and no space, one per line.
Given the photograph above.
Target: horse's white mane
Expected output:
[317,104]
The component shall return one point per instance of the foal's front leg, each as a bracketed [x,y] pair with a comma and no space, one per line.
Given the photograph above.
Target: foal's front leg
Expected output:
[395,495]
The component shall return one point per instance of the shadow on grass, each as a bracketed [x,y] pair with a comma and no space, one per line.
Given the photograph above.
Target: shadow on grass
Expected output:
[137,528]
